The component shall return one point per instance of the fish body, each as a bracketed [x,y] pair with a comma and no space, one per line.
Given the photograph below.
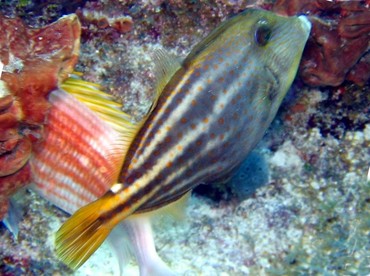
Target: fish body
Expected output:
[210,114]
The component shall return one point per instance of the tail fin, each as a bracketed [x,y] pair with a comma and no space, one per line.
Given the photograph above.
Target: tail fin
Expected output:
[82,234]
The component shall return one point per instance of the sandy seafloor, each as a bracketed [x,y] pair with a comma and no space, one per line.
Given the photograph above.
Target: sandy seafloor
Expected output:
[312,219]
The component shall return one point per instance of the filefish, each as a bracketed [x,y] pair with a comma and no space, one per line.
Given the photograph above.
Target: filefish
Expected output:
[209,113]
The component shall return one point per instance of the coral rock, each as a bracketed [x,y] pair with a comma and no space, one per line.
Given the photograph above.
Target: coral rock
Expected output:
[33,63]
[339,40]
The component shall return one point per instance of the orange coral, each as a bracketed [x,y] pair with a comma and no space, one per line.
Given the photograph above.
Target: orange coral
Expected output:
[338,47]
[34,62]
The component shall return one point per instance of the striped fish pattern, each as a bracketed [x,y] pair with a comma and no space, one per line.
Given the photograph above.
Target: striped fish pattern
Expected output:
[57,171]
[210,114]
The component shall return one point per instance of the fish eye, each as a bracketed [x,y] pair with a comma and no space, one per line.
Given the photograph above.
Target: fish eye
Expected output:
[263,34]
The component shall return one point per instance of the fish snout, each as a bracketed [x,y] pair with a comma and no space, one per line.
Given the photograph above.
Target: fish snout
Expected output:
[305,23]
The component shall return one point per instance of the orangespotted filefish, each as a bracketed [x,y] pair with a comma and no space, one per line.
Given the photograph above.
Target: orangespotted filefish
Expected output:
[210,112]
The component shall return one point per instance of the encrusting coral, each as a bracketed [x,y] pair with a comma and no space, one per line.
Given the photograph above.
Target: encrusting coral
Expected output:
[338,48]
[34,62]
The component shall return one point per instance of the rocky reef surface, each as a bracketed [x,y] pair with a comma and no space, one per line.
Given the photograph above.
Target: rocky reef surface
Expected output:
[314,215]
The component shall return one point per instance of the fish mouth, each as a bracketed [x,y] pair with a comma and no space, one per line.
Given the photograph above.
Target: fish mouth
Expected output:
[305,23]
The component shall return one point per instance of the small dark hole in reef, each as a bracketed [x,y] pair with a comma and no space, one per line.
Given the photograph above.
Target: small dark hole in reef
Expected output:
[214,192]
[293,262]
[331,220]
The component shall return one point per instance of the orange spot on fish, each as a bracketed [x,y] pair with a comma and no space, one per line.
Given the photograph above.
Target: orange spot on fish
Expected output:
[224,91]
[222,106]
[221,79]
[205,120]
[221,121]
[179,135]
[193,126]
[137,185]
[168,139]
[193,102]
[206,67]
[169,164]
[213,97]
[215,66]
[199,143]
[183,120]
[222,136]
[179,147]
[200,88]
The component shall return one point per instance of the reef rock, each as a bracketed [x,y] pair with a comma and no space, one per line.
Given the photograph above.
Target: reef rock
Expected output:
[33,63]
[338,48]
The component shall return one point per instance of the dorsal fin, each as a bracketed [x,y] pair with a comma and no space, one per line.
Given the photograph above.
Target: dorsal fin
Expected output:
[166,66]
[103,104]
[214,36]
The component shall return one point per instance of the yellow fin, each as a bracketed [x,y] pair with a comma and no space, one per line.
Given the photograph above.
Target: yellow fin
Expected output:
[166,66]
[101,103]
[82,234]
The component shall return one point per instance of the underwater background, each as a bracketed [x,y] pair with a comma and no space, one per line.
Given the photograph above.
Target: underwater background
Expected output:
[308,211]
